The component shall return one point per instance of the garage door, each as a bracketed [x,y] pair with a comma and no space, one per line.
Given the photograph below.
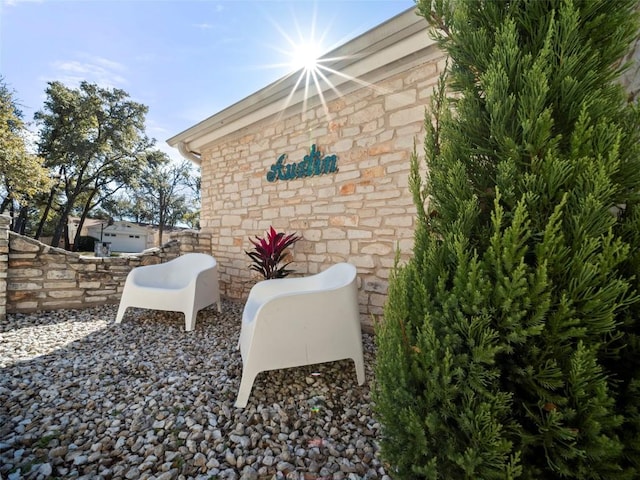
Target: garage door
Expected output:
[127,243]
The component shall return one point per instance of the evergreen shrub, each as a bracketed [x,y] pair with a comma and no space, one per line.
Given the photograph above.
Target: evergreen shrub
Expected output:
[509,345]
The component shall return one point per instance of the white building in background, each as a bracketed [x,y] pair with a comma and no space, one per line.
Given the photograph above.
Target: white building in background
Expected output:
[123,236]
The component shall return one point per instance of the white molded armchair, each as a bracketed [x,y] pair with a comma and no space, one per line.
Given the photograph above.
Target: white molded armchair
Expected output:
[185,284]
[289,322]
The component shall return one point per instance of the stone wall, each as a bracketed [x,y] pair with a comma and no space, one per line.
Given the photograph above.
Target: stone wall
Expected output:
[361,214]
[5,221]
[631,77]
[35,276]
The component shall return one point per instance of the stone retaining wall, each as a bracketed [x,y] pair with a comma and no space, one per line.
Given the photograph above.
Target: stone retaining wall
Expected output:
[35,276]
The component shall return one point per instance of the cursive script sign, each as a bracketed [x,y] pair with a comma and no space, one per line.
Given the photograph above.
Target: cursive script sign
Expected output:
[311,165]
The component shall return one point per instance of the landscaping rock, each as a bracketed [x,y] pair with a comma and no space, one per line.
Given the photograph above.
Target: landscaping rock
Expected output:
[83,397]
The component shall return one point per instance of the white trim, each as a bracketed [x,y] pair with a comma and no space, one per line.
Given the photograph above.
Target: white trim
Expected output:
[385,50]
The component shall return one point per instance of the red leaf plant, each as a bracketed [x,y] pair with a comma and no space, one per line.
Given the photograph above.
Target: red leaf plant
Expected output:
[270,251]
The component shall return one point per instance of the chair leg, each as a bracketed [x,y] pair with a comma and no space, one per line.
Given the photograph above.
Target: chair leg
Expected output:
[359,364]
[121,310]
[246,383]
[190,320]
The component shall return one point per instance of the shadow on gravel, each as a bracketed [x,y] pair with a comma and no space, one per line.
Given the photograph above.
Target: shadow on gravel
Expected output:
[82,397]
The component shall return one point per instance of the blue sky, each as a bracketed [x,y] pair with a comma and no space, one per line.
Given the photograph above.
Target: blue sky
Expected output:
[184,59]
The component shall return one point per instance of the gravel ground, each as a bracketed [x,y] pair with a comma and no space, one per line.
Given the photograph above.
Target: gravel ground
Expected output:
[82,397]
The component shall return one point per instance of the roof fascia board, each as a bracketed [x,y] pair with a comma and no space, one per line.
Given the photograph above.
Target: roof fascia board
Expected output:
[363,58]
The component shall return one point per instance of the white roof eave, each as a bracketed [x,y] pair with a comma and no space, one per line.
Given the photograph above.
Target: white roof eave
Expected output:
[376,54]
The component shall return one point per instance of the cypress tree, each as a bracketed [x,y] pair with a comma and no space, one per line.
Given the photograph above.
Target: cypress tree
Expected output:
[509,346]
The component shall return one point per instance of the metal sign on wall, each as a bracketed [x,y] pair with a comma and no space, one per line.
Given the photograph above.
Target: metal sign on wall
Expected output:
[311,165]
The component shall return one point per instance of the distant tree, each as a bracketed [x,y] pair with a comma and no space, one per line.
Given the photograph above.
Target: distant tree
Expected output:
[510,341]
[22,174]
[163,189]
[93,138]
[164,195]
[192,218]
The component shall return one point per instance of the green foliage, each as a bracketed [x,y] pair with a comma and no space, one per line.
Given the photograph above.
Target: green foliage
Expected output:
[509,347]
[22,175]
[93,138]
[160,194]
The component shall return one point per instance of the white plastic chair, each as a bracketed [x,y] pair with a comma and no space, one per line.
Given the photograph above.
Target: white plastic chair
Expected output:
[185,284]
[291,322]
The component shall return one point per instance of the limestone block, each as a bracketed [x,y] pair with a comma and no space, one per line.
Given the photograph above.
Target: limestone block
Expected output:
[407,116]
[383,195]
[270,213]
[384,273]
[377,300]
[333,234]
[377,249]
[26,272]
[303,210]
[348,189]
[21,244]
[366,114]
[362,261]
[79,267]
[17,286]
[287,212]
[399,100]
[22,258]
[64,293]
[95,299]
[344,220]
[370,222]
[353,234]
[149,261]
[60,275]
[343,247]
[55,263]
[60,304]
[375,285]
[26,306]
[58,284]
[106,291]
[327,192]
[373,172]
[329,209]
[21,295]
[343,145]
[406,244]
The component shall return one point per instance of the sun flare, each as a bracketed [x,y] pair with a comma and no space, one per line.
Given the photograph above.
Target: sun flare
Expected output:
[305,56]
[307,60]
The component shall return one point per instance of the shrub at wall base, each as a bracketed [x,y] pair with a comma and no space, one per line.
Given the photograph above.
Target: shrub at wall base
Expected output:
[270,252]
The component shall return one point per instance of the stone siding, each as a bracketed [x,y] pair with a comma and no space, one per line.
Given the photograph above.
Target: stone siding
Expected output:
[631,77]
[5,221]
[361,214]
[35,276]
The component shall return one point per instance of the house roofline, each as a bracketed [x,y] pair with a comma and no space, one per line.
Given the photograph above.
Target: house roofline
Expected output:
[369,58]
